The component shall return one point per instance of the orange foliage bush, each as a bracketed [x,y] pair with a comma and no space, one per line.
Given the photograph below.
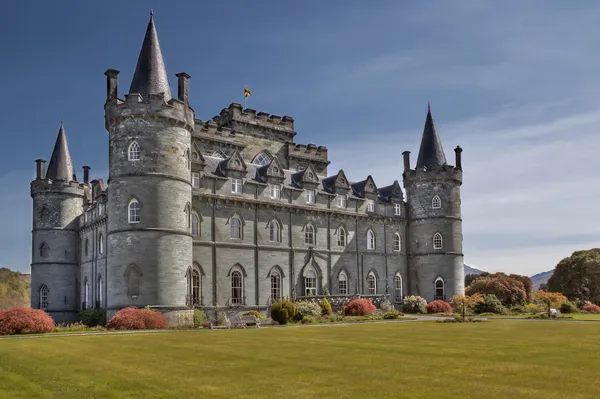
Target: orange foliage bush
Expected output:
[137,319]
[25,320]
[439,307]
[359,307]
[592,308]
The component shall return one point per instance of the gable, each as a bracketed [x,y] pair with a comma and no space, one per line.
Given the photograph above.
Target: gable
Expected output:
[309,175]
[197,154]
[370,186]
[235,162]
[274,169]
[341,181]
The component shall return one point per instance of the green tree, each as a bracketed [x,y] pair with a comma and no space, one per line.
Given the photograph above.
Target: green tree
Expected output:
[14,289]
[578,276]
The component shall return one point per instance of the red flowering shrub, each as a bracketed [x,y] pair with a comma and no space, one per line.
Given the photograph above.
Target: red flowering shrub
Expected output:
[25,320]
[587,308]
[137,319]
[439,307]
[359,307]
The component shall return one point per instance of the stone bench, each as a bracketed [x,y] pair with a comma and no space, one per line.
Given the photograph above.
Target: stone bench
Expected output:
[243,321]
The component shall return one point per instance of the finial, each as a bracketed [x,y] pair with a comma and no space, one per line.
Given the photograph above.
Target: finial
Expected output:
[151,12]
[428,107]
[62,125]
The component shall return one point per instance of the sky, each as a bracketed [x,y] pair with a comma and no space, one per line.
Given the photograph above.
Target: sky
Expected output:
[516,84]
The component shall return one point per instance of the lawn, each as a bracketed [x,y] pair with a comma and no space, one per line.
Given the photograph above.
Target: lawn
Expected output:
[497,359]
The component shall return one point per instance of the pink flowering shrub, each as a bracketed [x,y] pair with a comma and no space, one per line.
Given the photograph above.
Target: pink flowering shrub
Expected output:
[137,319]
[592,308]
[359,307]
[439,307]
[25,320]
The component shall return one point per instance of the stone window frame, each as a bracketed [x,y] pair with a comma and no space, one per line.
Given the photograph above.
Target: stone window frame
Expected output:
[275,227]
[397,242]
[310,196]
[100,290]
[441,287]
[342,236]
[371,240]
[44,297]
[134,151]
[86,247]
[134,211]
[100,244]
[370,205]
[275,280]
[233,224]
[262,158]
[194,285]
[438,241]
[341,201]
[275,191]
[133,275]
[44,249]
[235,185]
[343,282]
[372,283]
[397,209]
[195,179]
[219,154]
[436,202]
[398,288]
[195,219]
[86,293]
[237,284]
[310,231]
[310,278]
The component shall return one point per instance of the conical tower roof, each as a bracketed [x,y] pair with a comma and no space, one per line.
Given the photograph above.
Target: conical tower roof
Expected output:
[60,167]
[150,75]
[431,151]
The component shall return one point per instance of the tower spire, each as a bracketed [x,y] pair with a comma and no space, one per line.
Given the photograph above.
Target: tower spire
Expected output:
[60,167]
[431,151]
[150,75]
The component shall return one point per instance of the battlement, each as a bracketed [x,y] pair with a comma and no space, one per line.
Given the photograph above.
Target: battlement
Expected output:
[445,172]
[47,186]
[235,113]
[308,151]
[212,128]
[152,106]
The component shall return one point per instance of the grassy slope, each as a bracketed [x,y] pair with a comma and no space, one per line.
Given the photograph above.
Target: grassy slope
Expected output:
[498,359]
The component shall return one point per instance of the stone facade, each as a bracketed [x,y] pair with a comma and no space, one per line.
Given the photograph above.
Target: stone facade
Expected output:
[232,212]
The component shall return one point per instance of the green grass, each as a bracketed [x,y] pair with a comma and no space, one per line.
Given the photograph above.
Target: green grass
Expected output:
[497,359]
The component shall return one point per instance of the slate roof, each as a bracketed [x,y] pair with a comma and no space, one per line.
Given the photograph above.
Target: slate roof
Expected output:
[431,151]
[150,75]
[60,167]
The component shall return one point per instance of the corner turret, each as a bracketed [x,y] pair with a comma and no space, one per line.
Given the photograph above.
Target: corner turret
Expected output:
[57,205]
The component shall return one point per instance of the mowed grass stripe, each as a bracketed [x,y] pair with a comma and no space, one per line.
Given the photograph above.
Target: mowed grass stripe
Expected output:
[498,359]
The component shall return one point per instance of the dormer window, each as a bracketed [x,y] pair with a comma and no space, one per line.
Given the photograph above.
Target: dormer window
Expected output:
[195,179]
[275,191]
[236,186]
[341,201]
[133,153]
[370,206]
[397,209]
[219,154]
[310,196]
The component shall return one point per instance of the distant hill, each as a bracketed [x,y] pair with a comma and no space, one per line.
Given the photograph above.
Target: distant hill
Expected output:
[541,278]
[14,289]
[472,270]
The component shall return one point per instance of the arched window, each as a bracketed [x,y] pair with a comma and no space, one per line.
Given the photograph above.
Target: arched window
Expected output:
[275,286]
[438,241]
[436,202]
[44,214]
[195,224]
[262,159]
[100,294]
[237,288]
[398,288]
[370,239]
[87,246]
[133,282]
[219,154]
[44,250]
[86,294]
[100,244]
[342,238]
[310,283]
[439,289]
[44,295]
[309,234]
[188,160]
[134,211]
[343,283]
[397,242]
[372,283]
[236,228]
[188,215]
[133,153]
[274,231]
[194,287]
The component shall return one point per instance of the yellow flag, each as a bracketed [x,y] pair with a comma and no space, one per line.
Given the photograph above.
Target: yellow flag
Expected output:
[246,92]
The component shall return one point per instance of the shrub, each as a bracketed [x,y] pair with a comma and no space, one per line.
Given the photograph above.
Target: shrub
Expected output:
[284,311]
[93,317]
[414,304]
[254,313]
[137,319]
[25,320]
[359,307]
[386,306]
[532,308]
[393,314]
[586,308]
[325,307]
[307,320]
[438,307]
[74,327]
[520,309]
[568,307]
[490,304]
[198,318]
[510,290]
[308,308]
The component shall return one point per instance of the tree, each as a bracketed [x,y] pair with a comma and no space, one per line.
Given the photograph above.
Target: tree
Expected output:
[510,290]
[549,299]
[578,276]
[463,303]
[469,278]
[14,289]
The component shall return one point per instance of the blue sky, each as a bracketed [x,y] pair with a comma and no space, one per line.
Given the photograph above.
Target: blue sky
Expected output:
[515,83]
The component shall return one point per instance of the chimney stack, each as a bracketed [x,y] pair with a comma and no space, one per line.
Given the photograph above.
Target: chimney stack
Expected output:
[86,174]
[406,155]
[111,84]
[458,156]
[182,86]
[40,166]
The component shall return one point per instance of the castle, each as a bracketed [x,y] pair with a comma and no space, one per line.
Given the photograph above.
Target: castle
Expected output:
[232,212]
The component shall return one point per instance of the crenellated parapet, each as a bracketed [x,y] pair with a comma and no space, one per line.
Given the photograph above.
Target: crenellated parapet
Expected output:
[235,113]
[301,155]
[47,186]
[433,172]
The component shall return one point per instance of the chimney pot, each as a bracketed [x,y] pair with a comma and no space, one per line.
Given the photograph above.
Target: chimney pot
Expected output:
[406,155]
[111,84]
[86,174]
[40,166]
[182,86]
[458,157]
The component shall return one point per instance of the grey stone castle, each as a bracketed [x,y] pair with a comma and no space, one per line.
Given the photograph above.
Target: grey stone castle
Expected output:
[232,212]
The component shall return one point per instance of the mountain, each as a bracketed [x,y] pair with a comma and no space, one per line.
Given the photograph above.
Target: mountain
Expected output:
[472,270]
[541,278]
